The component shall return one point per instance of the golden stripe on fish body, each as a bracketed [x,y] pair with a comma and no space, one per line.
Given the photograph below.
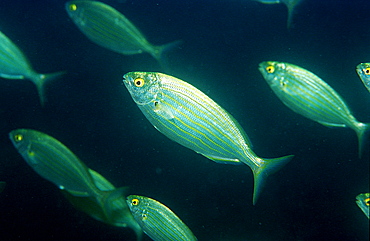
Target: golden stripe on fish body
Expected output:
[157,220]
[308,95]
[188,116]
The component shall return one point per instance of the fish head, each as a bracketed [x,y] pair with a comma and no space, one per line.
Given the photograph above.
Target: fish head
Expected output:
[137,205]
[21,139]
[363,70]
[144,87]
[274,73]
[74,7]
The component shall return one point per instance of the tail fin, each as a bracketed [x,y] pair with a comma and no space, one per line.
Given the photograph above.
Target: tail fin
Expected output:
[158,54]
[361,131]
[291,5]
[268,167]
[40,81]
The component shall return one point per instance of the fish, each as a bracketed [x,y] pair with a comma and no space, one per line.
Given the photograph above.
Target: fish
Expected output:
[157,220]
[114,212]
[308,95]
[290,4]
[363,71]
[53,161]
[2,186]
[15,65]
[83,187]
[191,118]
[108,28]
[363,202]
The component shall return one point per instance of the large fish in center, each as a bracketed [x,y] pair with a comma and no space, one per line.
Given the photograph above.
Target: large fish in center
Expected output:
[188,116]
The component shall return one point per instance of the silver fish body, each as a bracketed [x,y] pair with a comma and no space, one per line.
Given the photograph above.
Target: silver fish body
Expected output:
[363,71]
[53,161]
[188,116]
[84,188]
[157,220]
[15,65]
[107,27]
[308,95]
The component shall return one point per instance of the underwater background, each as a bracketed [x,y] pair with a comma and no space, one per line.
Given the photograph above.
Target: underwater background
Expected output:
[91,112]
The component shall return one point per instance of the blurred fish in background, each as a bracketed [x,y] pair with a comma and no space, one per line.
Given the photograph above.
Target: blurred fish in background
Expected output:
[290,4]
[85,188]
[107,27]
[15,65]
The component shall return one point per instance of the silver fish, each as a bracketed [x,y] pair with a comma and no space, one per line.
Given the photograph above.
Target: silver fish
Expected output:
[157,220]
[188,116]
[15,65]
[110,29]
[308,95]
[85,188]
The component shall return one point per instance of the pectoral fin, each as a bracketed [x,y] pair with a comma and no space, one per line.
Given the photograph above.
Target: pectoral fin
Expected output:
[163,110]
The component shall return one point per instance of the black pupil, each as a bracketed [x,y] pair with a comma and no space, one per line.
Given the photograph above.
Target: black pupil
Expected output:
[138,82]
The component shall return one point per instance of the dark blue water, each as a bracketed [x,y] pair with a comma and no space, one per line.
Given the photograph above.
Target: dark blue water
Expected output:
[92,113]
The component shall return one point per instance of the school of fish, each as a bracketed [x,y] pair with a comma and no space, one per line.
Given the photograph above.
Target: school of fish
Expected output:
[179,111]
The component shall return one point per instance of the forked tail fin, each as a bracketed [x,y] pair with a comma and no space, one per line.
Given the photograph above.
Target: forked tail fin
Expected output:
[40,80]
[159,54]
[261,173]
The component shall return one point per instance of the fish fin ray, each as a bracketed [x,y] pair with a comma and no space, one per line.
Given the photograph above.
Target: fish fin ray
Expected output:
[261,173]
[40,81]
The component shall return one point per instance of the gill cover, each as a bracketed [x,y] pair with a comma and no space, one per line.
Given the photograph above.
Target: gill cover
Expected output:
[143,87]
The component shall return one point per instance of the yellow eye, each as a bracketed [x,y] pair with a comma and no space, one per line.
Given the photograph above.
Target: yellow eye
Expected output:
[367,71]
[135,201]
[18,137]
[139,82]
[73,7]
[367,201]
[270,69]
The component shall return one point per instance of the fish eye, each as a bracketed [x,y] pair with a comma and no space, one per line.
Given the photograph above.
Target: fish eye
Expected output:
[139,82]
[270,69]
[73,7]
[135,201]
[18,137]
[367,71]
[367,201]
